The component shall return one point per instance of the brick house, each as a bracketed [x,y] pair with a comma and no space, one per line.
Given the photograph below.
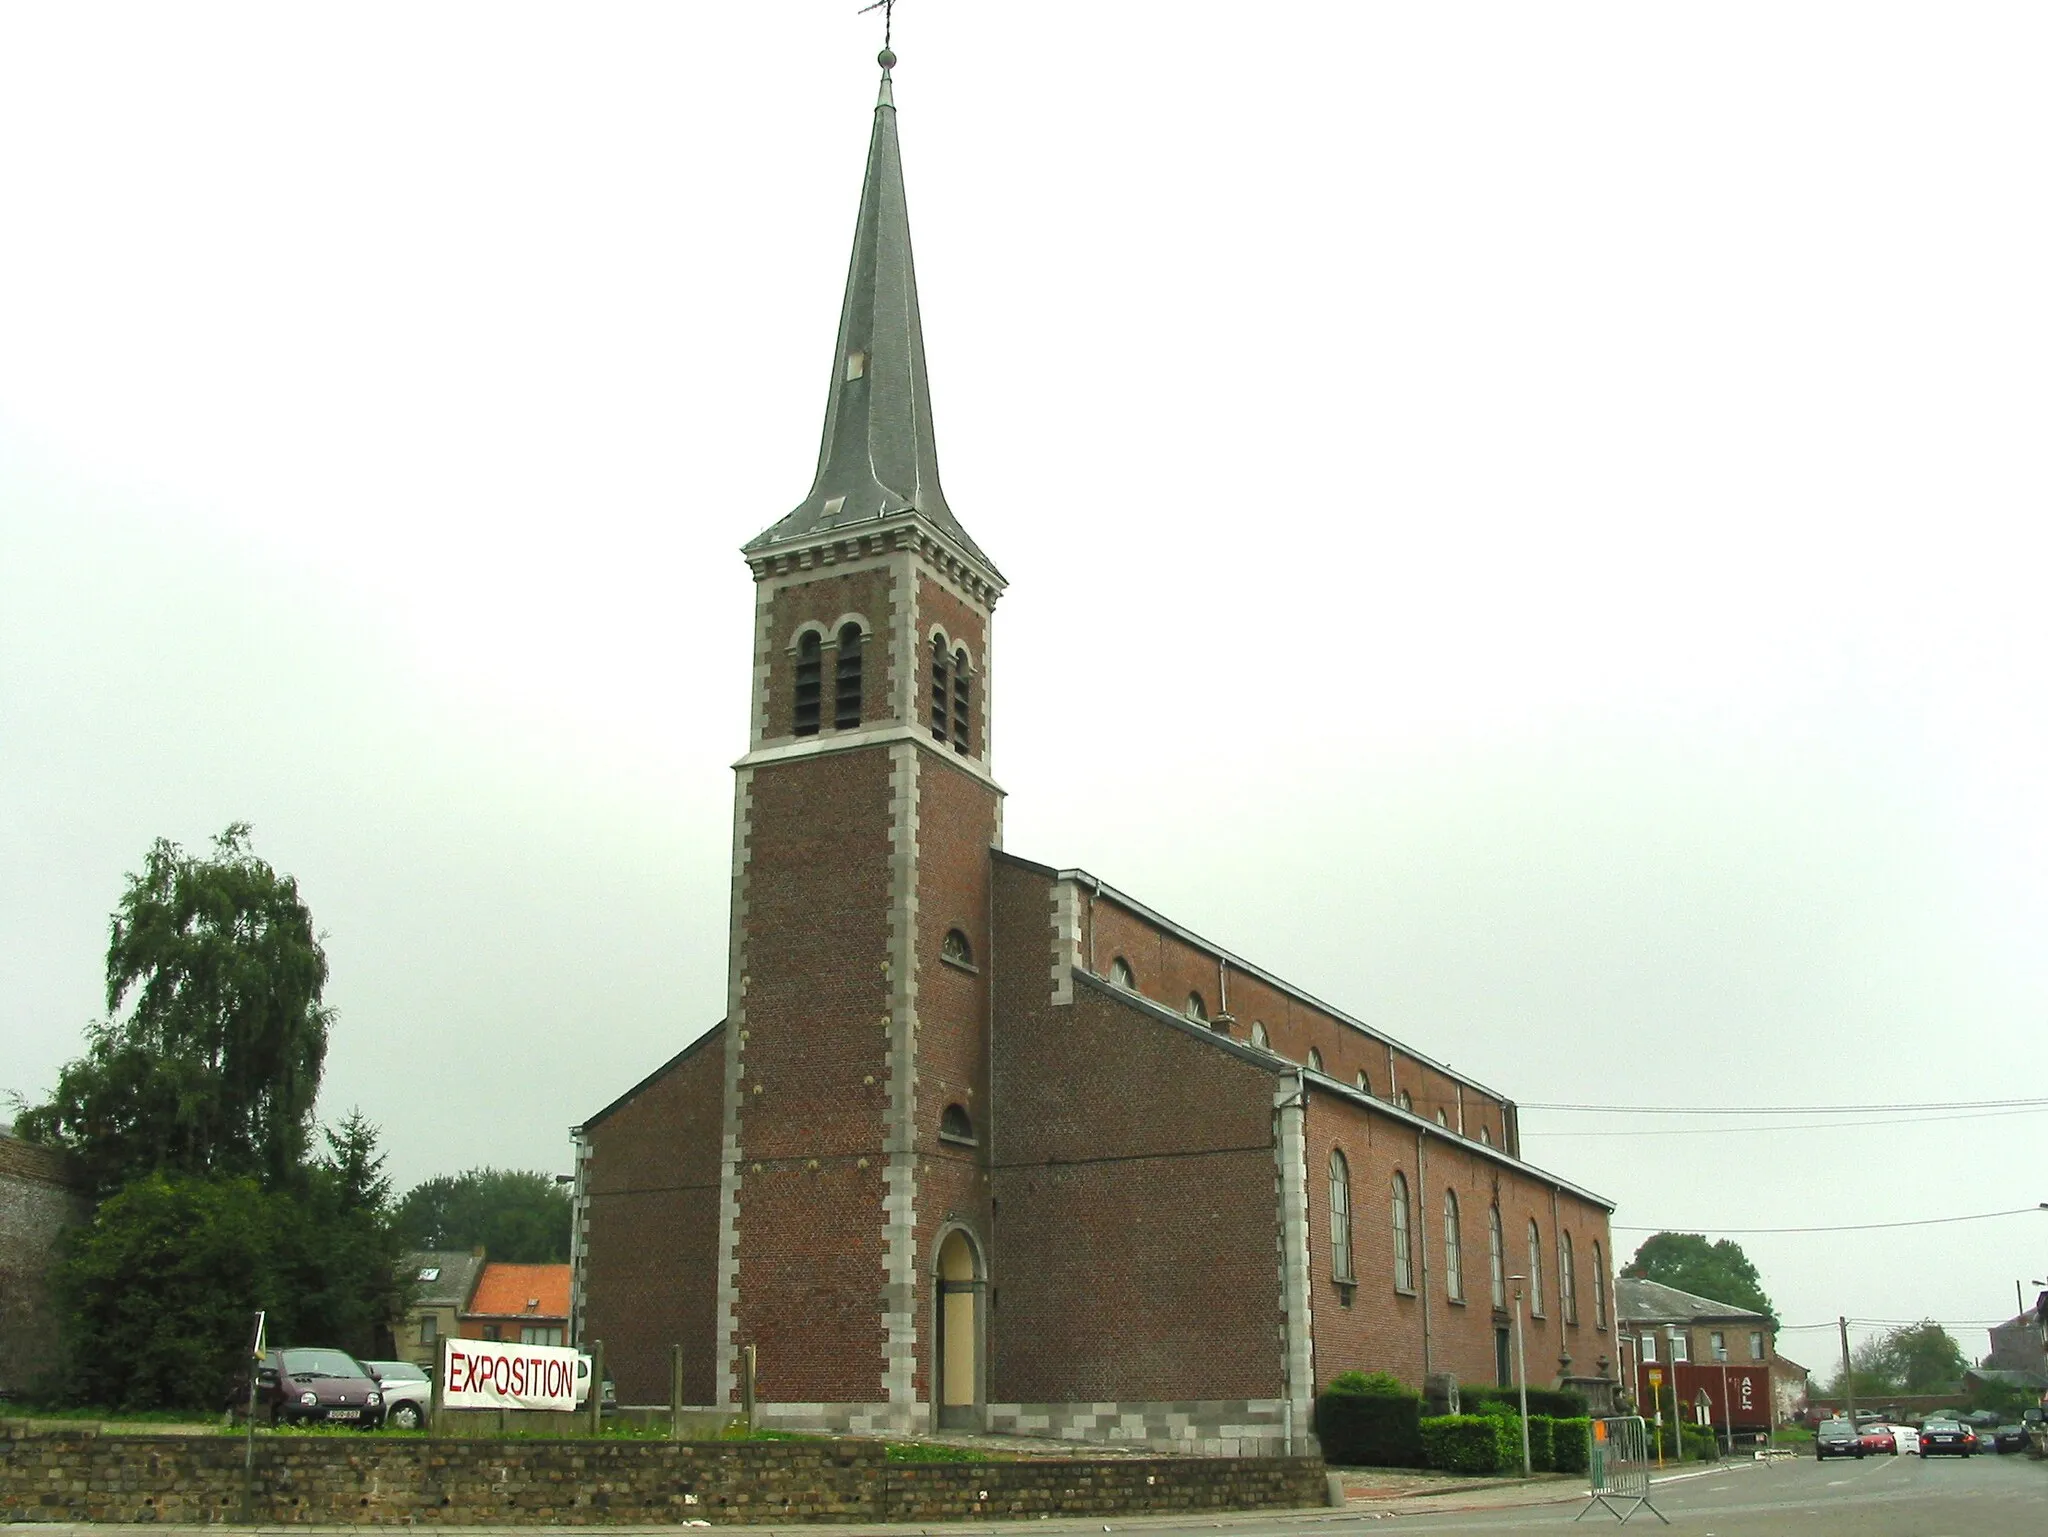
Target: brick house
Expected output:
[1702,1348]
[522,1304]
[2020,1344]
[440,1282]
[987,1142]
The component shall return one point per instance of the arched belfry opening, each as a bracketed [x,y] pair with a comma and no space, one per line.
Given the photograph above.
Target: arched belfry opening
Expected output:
[957,1383]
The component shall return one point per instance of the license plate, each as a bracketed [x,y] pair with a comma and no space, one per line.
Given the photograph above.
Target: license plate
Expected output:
[344,1414]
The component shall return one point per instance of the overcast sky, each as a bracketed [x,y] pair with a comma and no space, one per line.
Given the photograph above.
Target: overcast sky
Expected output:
[1524,520]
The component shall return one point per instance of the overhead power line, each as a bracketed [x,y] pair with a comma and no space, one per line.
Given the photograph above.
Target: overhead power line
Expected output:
[1735,1131]
[1896,1323]
[1845,1227]
[1952,1104]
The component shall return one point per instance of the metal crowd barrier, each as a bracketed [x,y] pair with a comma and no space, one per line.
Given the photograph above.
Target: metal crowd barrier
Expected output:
[1618,1468]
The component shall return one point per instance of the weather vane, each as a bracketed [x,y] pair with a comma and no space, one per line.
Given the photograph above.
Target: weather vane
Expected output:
[888,10]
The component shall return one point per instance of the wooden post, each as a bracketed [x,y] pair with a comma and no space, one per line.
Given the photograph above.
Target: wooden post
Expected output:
[747,1385]
[675,1392]
[597,1387]
[434,1392]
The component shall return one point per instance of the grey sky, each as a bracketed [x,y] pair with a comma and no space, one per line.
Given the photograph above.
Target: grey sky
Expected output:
[1524,520]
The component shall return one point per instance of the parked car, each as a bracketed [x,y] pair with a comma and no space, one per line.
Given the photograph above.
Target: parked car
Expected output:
[1906,1439]
[303,1386]
[408,1396]
[2009,1438]
[610,1400]
[1947,1438]
[1878,1440]
[1837,1438]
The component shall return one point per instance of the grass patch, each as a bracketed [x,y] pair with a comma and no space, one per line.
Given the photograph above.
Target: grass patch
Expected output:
[930,1451]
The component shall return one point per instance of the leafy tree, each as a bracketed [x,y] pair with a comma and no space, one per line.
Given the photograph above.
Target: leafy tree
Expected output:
[1913,1358]
[518,1215]
[214,1068]
[1719,1270]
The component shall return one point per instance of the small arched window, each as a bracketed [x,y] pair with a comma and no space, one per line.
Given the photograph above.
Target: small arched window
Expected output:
[1259,1037]
[846,679]
[1407,1101]
[963,701]
[1196,1009]
[1404,1259]
[1442,1119]
[810,659]
[1364,1083]
[1121,975]
[956,949]
[1535,1269]
[1315,1060]
[1599,1287]
[1497,1257]
[942,688]
[1454,1250]
[1486,1136]
[955,1125]
[1567,1282]
[1340,1219]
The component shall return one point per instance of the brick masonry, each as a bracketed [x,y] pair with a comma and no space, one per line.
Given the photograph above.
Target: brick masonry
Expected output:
[319,1480]
[41,1194]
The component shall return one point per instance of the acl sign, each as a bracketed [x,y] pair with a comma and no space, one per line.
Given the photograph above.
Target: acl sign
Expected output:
[485,1374]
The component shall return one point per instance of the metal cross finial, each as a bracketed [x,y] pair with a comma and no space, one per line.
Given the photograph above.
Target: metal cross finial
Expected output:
[888,10]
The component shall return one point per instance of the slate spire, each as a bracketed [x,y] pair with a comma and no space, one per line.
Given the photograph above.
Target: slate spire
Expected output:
[879,457]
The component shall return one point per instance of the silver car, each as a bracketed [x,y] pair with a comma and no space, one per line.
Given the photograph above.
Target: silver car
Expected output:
[408,1396]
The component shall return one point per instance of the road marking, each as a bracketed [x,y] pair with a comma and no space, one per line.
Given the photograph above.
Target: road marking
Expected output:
[1838,1483]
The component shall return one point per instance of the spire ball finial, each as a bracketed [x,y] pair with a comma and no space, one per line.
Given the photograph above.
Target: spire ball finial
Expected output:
[886,58]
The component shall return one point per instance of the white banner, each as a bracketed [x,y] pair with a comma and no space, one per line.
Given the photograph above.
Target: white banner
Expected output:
[489,1374]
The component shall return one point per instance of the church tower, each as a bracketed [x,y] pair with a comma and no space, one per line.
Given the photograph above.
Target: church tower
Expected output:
[853,1201]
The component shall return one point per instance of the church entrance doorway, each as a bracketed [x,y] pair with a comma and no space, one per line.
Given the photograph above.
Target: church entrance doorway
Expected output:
[959,1333]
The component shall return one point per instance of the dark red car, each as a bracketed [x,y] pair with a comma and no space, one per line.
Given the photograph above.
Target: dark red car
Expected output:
[317,1387]
[1878,1438]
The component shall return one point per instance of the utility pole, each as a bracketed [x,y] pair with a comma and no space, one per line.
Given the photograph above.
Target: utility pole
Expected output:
[1848,1382]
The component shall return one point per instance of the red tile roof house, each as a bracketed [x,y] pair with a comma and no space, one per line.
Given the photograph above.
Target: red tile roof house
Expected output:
[525,1304]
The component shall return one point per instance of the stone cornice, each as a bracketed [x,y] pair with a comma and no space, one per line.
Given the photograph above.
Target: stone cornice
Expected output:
[903,531]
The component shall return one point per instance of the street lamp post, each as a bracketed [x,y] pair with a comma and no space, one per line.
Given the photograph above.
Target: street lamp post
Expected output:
[1521,1375]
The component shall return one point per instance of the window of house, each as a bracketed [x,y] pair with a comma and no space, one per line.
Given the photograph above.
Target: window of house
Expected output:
[1535,1269]
[534,1334]
[1364,1083]
[1340,1219]
[1315,1060]
[1259,1038]
[846,679]
[1454,1250]
[1441,1119]
[809,667]
[1486,1136]
[1756,1344]
[1718,1343]
[1404,1257]
[1599,1287]
[1196,1009]
[963,700]
[1681,1347]
[430,1273]
[1646,1347]
[942,689]
[956,949]
[955,1125]
[1497,1257]
[490,1331]
[430,1328]
[1121,974]
[1407,1100]
[1567,1279]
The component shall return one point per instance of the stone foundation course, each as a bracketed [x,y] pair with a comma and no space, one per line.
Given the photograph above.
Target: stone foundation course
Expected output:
[62,1476]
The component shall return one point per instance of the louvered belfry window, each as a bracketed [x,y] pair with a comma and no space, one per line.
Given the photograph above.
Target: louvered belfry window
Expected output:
[941,688]
[846,679]
[963,700]
[809,680]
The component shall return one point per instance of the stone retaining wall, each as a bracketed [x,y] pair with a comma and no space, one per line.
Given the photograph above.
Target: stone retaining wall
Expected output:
[88,1476]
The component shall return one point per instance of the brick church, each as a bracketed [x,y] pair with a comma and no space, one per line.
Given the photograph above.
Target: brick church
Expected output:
[984,1142]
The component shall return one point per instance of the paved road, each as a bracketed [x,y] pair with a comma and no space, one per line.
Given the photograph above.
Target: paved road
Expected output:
[1878,1497]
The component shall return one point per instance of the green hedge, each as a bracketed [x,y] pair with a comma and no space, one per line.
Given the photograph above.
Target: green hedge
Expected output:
[1471,1443]
[1371,1422]
[1570,1443]
[1702,1442]
[1541,1458]
[1557,1403]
